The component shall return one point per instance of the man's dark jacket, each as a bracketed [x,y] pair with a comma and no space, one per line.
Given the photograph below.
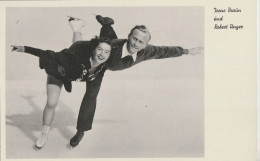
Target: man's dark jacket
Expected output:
[88,105]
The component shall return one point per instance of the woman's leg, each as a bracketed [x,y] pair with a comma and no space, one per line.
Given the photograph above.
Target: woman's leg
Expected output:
[53,93]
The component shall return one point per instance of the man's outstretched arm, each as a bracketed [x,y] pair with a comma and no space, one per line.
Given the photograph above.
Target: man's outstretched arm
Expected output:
[161,52]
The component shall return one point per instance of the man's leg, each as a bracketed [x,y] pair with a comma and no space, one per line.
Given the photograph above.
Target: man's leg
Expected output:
[106,30]
[87,109]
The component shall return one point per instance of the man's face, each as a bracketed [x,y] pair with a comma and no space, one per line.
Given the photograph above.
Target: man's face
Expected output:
[102,52]
[137,41]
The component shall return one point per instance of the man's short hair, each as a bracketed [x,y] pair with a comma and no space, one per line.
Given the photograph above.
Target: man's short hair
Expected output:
[142,28]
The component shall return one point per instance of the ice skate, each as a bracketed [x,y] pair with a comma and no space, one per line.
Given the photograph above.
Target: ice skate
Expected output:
[43,138]
[76,139]
[104,20]
[76,24]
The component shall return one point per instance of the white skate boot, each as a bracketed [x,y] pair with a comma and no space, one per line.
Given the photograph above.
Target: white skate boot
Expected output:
[76,24]
[43,138]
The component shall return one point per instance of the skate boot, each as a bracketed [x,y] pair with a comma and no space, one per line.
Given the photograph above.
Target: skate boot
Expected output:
[76,139]
[76,24]
[104,20]
[43,138]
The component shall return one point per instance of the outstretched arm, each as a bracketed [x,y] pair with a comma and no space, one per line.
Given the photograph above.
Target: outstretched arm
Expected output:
[44,54]
[26,49]
[49,55]
[161,52]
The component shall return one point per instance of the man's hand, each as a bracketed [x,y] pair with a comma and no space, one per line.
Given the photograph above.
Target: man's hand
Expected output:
[196,51]
[18,48]
[76,24]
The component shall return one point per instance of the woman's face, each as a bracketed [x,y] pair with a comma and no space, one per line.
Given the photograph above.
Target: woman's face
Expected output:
[102,52]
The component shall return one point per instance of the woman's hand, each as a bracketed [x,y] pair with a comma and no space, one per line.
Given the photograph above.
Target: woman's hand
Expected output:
[18,48]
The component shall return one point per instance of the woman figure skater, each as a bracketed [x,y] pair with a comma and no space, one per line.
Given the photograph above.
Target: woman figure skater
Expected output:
[83,61]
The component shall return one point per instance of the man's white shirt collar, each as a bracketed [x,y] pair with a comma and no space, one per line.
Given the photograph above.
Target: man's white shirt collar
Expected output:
[126,53]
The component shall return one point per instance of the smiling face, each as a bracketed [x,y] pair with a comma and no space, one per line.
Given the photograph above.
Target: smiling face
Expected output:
[101,52]
[137,41]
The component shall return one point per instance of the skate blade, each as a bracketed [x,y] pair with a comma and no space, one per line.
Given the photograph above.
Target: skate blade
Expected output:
[70,147]
[73,18]
[37,148]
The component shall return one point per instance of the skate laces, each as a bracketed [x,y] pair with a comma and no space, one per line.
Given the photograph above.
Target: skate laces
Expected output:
[45,129]
[44,132]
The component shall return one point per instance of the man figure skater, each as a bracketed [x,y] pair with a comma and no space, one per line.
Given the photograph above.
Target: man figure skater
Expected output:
[126,53]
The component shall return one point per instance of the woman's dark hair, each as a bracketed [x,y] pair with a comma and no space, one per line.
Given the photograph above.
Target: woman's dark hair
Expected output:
[97,40]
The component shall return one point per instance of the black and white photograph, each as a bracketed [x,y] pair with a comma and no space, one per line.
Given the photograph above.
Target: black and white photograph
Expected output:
[104,82]
[119,80]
